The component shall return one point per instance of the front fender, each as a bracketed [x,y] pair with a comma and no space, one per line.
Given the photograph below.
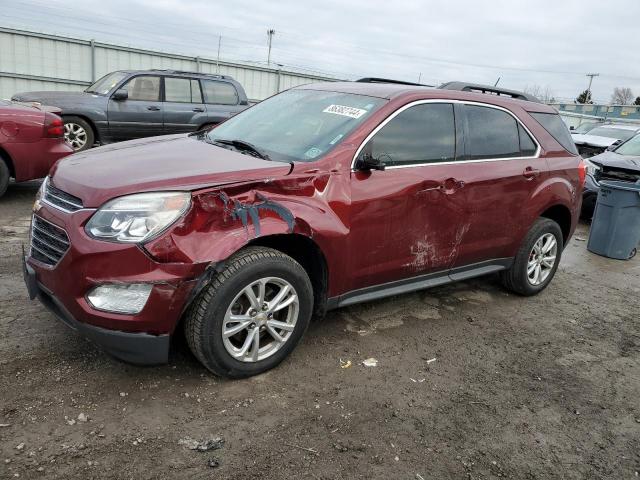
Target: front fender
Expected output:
[225,219]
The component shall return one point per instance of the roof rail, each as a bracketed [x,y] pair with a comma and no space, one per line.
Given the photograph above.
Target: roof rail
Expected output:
[186,72]
[387,80]
[478,88]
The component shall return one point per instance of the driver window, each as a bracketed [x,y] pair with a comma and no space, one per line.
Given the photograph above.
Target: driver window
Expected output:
[144,88]
[421,134]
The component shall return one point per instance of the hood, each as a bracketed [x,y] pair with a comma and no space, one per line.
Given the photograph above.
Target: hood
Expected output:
[618,162]
[172,162]
[57,99]
[593,140]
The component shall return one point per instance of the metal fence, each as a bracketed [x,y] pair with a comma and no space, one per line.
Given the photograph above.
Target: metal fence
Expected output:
[37,61]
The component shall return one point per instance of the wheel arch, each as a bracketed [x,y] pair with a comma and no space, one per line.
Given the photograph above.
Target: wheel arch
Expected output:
[309,255]
[560,214]
[6,158]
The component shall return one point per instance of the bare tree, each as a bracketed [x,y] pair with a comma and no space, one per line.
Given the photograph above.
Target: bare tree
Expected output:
[622,96]
[544,94]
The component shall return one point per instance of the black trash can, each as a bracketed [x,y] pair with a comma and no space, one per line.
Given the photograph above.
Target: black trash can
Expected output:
[615,228]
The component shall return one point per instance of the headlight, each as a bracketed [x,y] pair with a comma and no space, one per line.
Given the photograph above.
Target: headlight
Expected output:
[592,168]
[137,218]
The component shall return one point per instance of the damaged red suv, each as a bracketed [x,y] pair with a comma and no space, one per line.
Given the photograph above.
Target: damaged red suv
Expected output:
[322,196]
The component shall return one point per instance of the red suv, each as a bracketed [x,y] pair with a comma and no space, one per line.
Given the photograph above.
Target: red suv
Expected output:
[322,196]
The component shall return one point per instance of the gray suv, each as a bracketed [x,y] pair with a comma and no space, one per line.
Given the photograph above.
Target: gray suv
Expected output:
[129,104]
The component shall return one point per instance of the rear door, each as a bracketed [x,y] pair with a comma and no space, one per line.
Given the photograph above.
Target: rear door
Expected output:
[140,115]
[222,100]
[406,220]
[502,172]
[184,110]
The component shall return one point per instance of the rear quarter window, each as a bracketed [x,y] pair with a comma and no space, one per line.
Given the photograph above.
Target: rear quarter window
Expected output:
[553,124]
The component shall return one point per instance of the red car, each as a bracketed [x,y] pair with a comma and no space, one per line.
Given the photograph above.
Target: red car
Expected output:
[31,142]
[322,196]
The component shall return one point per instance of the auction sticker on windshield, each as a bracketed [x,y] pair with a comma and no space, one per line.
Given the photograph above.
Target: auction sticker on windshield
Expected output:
[345,111]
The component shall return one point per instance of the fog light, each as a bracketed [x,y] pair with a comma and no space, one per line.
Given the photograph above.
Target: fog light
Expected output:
[128,298]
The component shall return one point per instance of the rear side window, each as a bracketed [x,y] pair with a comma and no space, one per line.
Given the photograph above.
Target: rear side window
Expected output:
[492,133]
[182,90]
[557,128]
[221,93]
[420,134]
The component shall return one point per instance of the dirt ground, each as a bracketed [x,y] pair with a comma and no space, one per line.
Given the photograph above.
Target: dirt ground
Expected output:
[522,388]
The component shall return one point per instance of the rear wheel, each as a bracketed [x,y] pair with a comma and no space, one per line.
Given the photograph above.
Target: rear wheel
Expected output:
[78,133]
[5,175]
[252,315]
[537,259]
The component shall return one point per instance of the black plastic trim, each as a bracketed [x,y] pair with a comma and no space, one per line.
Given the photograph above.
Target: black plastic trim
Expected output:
[419,283]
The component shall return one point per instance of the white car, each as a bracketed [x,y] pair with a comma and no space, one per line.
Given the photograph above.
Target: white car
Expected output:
[600,138]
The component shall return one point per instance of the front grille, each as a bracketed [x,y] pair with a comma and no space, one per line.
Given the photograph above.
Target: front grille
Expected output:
[49,242]
[610,174]
[60,199]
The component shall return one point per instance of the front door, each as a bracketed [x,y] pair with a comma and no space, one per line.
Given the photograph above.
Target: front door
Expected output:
[140,115]
[184,110]
[409,219]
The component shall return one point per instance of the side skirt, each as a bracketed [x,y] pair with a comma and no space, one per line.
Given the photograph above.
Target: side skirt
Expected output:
[419,283]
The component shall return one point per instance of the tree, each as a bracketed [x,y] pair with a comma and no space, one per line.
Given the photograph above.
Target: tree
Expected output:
[621,96]
[584,97]
[543,94]
[637,102]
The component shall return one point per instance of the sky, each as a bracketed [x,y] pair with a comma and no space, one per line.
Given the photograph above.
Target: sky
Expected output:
[547,44]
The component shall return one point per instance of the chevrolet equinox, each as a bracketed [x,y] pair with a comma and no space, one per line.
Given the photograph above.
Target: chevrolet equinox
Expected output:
[322,196]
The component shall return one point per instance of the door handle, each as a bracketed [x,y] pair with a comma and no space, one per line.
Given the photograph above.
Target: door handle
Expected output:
[198,109]
[530,173]
[153,108]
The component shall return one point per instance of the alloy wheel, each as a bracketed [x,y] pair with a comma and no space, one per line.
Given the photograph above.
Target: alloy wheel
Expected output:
[75,135]
[542,259]
[260,319]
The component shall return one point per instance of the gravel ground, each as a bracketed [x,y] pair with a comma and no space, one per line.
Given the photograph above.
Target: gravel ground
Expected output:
[522,388]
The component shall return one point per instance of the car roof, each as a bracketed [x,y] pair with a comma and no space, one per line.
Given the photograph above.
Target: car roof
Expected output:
[393,91]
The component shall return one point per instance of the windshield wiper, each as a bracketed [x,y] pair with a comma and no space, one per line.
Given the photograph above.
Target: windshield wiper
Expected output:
[242,145]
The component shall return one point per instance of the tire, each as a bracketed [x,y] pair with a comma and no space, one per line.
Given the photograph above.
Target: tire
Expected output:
[225,295]
[517,278]
[78,133]
[5,175]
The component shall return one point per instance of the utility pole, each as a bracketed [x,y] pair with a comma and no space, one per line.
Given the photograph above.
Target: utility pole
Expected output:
[419,77]
[218,59]
[270,33]
[590,75]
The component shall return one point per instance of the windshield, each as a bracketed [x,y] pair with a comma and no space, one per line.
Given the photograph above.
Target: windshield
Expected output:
[617,133]
[298,125]
[106,83]
[631,147]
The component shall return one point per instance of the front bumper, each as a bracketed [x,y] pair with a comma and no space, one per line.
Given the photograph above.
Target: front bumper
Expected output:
[142,338]
[136,348]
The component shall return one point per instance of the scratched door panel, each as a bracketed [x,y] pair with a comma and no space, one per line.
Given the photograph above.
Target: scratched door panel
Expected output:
[402,224]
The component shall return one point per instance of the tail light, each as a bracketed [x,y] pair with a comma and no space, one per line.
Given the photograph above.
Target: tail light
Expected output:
[582,172]
[53,126]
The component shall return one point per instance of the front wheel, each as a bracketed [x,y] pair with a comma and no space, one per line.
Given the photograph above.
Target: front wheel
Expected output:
[78,133]
[537,259]
[252,315]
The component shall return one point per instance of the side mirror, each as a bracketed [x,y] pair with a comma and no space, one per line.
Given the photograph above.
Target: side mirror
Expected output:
[614,145]
[120,95]
[572,127]
[366,161]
